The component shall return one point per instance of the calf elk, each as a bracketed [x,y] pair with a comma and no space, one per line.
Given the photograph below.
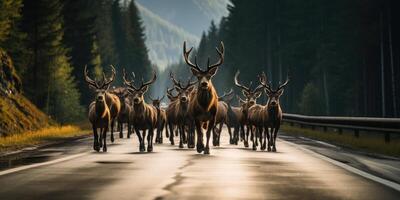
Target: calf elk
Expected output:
[144,116]
[103,110]
[204,100]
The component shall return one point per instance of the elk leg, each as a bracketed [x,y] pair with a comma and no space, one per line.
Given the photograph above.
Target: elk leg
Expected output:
[246,137]
[230,135]
[242,132]
[181,129]
[112,128]
[253,138]
[144,138]
[129,130]
[275,134]
[208,134]
[150,140]
[200,145]
[101,138]
[268,131]
[236,134]
[105,139]
[96,139]
[171,135]
[141,145]
[214,136]
[166,130]
[219,133]
[191,136]
[120,127]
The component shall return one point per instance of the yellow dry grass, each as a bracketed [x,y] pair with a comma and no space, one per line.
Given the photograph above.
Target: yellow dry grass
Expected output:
[31,138]
[368,142]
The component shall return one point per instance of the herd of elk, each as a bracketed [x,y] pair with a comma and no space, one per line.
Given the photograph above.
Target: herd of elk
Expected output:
[194,106]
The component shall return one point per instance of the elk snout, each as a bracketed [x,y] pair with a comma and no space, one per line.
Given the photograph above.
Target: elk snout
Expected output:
[183,99]
[100,98]
[204,84]
[136,100]
[273,103]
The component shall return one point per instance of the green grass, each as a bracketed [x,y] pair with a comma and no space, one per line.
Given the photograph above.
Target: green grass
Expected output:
[373,143]
[41,136]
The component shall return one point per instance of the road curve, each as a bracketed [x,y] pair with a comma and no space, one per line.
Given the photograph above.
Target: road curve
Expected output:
[74,171]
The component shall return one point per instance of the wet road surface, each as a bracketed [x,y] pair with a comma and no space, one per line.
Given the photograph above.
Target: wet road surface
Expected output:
[74,171]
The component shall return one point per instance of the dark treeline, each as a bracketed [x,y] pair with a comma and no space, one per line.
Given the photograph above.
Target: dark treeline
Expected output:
[50,42]
[333,51]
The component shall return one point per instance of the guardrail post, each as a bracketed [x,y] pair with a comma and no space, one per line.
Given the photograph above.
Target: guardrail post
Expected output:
[387,137]
[356,133]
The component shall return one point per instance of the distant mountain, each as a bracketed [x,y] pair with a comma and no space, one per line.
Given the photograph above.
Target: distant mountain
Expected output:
[170,22]
[163,39]
[194,16]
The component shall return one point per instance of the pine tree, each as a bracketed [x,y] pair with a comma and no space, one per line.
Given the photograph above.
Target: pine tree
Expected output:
[49,82]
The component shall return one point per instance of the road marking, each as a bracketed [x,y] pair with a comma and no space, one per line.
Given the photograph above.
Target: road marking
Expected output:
[349,168]
[25,167]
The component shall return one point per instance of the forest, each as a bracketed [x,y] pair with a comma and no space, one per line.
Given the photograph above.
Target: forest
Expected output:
[50,42]
[342,57]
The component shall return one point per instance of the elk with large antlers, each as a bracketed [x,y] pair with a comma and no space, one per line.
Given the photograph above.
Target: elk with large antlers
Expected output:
[161,118]
[182,111]
[251,99]
[103,110]
[204,100]
[269,115]
[144,116]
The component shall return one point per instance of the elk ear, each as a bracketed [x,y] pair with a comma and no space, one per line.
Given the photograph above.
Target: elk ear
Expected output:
[144,89]
[213,71]
[190,89]
[195,72]
[280,92]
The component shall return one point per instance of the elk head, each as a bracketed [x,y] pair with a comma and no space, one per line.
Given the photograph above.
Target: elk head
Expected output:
[100,89]
[204,77]
[138,92]
[273,95]
[251,95]
[183,90]
[171,96]
[156,102]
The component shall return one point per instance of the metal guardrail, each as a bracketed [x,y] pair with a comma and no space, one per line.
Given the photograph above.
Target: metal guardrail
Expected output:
[387,126]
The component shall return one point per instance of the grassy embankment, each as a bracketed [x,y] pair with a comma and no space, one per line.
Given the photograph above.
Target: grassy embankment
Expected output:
[369,142]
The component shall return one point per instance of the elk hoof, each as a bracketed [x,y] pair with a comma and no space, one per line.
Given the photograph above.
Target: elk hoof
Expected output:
[254,148]
[181,145]
[215,143]
[150,149]
[104,149]
[246,144]
[207,150]
[273,149]
[269,148]
[200,147]
[112,139]
[121,135]
[172,142]
[96,148]
[141,148]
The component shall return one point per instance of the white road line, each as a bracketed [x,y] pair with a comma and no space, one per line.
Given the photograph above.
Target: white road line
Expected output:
[349,168]
[17,169]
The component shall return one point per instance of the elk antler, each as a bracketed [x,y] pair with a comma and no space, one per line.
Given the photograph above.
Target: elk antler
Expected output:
[240,85]
[186,56]
[126,82]
[264,82]
[152,80]
[281,86]
[89,80]
[225,94]
[177,83]
[221,58]
[106,82]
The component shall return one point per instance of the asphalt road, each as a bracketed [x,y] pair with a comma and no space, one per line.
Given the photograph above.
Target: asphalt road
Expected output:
[74,171]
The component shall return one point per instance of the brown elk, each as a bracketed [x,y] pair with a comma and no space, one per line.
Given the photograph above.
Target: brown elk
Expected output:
[144,116]
[270,115]
[221,119]
[251,99]
[204,100]
[103,110]
[233,115]
[161,118]
[126,107]
[182,111]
